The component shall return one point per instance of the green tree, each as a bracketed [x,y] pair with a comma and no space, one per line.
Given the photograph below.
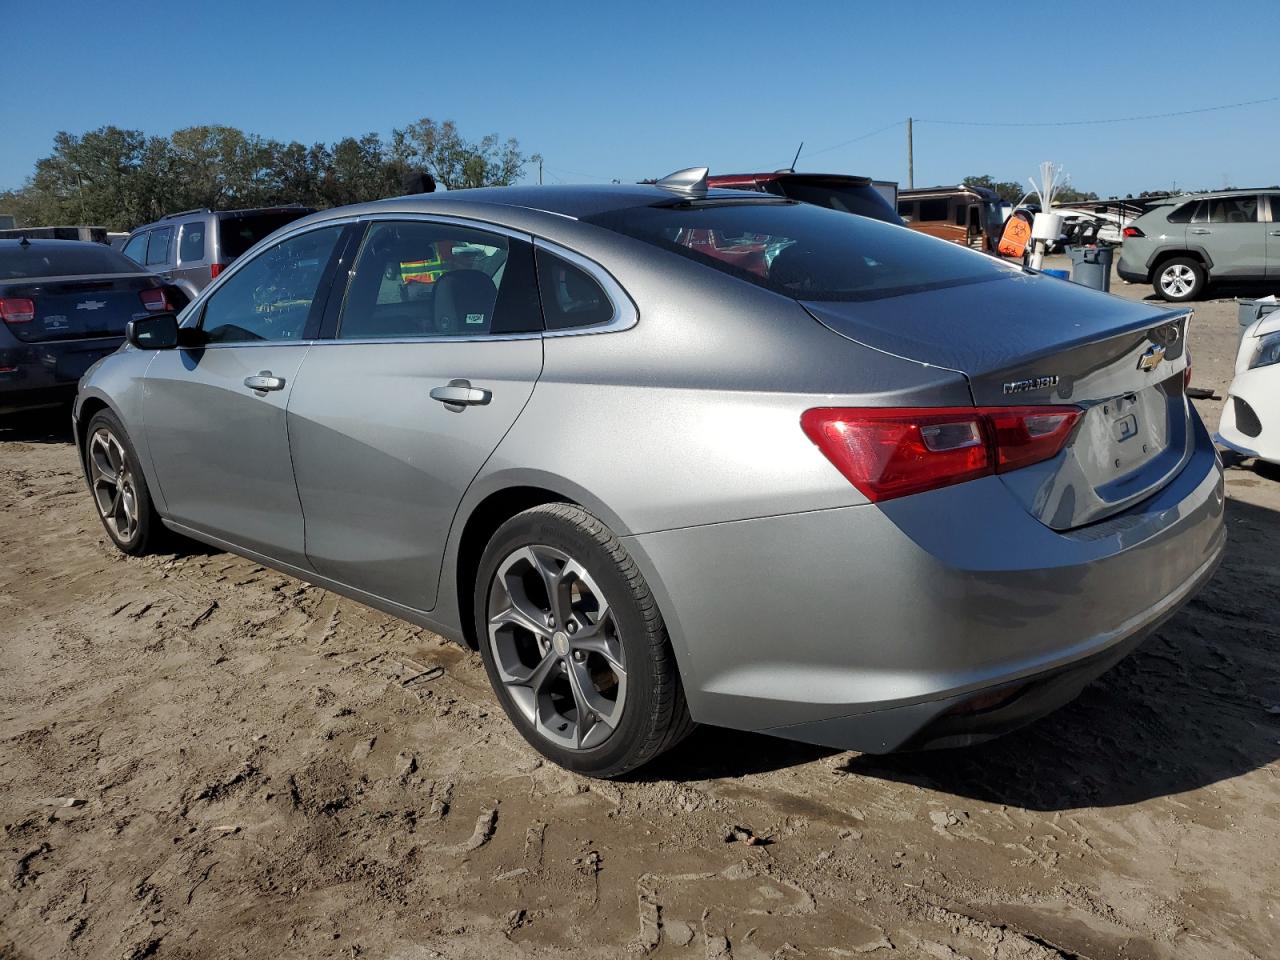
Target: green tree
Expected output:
[1005,189]
[457,163]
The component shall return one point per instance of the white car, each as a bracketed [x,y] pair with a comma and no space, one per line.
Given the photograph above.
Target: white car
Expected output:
[1250,423]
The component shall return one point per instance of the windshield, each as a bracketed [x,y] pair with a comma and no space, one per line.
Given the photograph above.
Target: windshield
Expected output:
[75,259]
[238,234]
[804,251]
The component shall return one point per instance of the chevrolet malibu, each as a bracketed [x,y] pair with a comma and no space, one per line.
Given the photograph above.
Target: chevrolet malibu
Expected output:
[671,455]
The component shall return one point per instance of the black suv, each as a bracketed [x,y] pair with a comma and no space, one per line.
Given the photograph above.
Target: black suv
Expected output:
[191,248]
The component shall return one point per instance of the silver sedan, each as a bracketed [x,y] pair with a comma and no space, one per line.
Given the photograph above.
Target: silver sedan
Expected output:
[669,455]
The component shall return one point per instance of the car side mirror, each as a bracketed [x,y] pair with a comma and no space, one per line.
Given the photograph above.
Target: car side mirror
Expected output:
[159,331]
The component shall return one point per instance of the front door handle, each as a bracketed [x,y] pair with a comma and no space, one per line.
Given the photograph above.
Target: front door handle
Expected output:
[264,381]
[456,395]
[1201,230]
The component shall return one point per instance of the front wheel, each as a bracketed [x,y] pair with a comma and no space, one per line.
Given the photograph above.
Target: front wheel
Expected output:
[574,645]
[119,489]
[1179,279]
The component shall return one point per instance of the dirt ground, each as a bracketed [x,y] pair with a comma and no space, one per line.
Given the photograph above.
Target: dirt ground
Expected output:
[200,757]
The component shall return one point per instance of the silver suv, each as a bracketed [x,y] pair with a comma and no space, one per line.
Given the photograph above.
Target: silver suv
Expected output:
[189,249]
[1186,242]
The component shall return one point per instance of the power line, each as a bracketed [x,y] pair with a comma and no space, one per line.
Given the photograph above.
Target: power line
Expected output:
[865,136]
[1083,123]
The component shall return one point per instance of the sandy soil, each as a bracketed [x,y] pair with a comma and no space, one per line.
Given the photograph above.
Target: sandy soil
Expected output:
[202,758]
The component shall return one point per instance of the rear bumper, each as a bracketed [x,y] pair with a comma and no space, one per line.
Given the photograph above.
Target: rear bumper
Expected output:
[868,627]
[1130,274]
[41,374]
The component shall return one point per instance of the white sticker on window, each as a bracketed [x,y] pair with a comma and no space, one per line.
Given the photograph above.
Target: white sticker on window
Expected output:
[475,318]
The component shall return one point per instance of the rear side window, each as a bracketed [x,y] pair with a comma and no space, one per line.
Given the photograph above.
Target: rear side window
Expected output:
[805,252]
[1183,213]
[1233,209]
[571,297]
[191,243]
[158,246]
[272,297]
[237,234]
[425,279]
[61,260]
[136,249]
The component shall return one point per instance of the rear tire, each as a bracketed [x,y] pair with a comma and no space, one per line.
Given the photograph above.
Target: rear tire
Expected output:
[119,488]
[574,645]
[1179,279]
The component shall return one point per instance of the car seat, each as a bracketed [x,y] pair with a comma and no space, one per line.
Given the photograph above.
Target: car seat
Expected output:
[463,303]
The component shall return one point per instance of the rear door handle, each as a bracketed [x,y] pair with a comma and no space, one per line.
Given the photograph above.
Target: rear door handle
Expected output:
[458,394]
[1201,230]
[1275,233]
[264,381]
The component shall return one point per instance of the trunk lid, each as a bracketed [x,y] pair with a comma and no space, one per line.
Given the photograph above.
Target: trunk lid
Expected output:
[1032,340]
[78,308]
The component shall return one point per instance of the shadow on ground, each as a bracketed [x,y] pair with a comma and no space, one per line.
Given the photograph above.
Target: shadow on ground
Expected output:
[1188,709]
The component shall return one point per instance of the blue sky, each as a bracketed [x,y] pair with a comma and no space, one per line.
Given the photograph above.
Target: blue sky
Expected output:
[630,90]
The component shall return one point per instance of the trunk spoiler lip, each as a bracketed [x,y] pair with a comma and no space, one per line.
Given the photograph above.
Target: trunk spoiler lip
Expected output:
[76,278]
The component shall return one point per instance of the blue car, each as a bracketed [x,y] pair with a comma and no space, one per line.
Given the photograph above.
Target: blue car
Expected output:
[63,306]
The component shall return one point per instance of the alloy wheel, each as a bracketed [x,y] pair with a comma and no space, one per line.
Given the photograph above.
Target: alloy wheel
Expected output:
[113,485]
[556,646]
[1177,280]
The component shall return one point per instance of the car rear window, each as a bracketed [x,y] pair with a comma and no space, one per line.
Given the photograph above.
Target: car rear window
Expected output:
[61,260]
[806,252]
[864,201]
[238,234]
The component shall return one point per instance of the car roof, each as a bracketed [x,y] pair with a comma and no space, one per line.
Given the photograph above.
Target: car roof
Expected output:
[521,207]
[1210,194]
[7,243]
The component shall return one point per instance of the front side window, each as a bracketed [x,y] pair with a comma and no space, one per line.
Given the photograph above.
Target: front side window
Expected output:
[571,297]
[158,246]
[426,279]
[1234,209]
[136,249]
[273,296]
[804,251]
[191,243]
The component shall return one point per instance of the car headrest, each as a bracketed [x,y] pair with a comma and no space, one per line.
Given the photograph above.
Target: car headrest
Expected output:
[464,301]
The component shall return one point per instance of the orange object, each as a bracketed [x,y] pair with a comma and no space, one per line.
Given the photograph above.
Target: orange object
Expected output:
[1016,235]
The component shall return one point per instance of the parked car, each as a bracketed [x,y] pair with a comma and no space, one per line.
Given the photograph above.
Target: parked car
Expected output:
[1183,244]
[1248,424]
[857,487]
[972,216]
[191,248]
[837,191]
[91,234]
[64,305]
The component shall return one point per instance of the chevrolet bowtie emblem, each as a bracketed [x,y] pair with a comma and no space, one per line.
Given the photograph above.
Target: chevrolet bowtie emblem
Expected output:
[1151,359]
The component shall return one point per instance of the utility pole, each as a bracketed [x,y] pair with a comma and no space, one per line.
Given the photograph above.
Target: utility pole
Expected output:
[911,161]
[539,171]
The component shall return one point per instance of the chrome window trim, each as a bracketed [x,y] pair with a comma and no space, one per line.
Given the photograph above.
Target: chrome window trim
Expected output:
[625,315]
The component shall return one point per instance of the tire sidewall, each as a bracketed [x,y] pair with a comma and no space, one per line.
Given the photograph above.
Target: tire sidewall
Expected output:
[534,527]
[137,543]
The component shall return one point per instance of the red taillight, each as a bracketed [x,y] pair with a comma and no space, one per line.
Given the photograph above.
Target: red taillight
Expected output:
[1132,232]
[154,299]
[215,269]
[889,453]
[17,309]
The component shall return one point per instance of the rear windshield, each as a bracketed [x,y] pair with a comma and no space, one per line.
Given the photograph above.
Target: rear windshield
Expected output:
[864,201]
[806,252]
[61,260]
[238,234]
